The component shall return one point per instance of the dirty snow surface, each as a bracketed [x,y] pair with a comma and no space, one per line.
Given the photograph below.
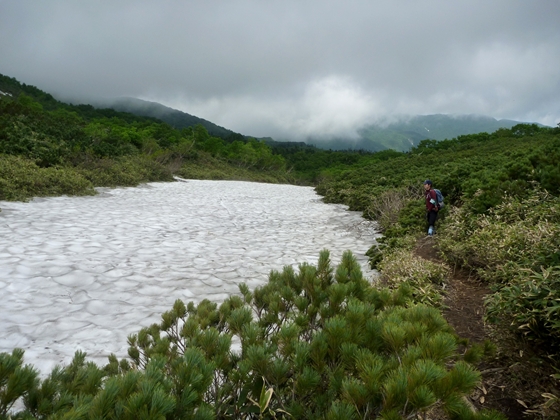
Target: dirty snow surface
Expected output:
[82,273]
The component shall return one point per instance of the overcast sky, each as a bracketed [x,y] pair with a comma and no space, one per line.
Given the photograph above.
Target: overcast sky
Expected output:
[292,68]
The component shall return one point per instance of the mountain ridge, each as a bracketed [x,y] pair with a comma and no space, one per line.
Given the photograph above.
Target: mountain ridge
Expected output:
[174,117]
[400,135]
[408,132]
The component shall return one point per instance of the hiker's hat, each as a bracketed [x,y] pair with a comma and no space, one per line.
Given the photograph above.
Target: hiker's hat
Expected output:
[427,182]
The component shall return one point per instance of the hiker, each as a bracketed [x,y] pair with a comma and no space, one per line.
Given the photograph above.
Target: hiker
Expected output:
[432,207]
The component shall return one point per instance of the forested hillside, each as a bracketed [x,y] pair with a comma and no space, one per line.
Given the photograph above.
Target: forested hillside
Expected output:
[173,117]
[52,148]
[322,342]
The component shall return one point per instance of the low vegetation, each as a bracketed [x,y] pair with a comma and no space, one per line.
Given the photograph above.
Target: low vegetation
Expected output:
[51,148]
[516,248]
[320,343]
[500,223]
[502,217]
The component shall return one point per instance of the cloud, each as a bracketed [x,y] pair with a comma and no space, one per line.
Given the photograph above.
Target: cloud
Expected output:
[328,107]
[291,68]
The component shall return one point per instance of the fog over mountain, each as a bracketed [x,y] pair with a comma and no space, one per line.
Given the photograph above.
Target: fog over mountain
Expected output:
[400,133]
[174,117]
[293,70]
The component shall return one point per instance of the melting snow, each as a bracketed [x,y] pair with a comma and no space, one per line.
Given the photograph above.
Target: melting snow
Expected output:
[85,272]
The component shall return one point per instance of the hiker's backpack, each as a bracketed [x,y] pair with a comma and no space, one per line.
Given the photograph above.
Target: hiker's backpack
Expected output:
[439,197]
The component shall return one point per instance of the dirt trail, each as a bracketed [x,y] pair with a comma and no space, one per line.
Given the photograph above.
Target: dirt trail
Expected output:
[464,298]
[503,377]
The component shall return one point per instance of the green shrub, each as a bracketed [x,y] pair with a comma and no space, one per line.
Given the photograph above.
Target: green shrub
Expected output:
[217,169]
[125,171]
[22,179]
[16,380]
[517,234]
[388,244]
[386,207]
[423,277]
[22,136]
[339,338]
[319,343]
[531,304]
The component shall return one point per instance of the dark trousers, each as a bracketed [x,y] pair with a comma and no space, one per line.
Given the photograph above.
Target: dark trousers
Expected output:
[432,217]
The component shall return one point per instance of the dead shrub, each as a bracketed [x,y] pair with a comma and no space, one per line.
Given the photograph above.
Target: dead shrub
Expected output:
[385,207]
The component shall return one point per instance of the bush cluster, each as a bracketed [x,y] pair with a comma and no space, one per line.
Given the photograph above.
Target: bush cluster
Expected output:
[216,169]
[124,171]
[482,168]
[516,248]
[519,233]
[320,343]
[21,179]
[532,304]
[388,207]
[502,210]
[424,278]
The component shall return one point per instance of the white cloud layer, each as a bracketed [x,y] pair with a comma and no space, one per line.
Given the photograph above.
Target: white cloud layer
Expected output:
[327,107]
[290,68]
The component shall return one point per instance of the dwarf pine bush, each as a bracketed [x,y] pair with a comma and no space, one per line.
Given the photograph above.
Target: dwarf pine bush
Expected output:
[313,344]
[15,380]
[321,342]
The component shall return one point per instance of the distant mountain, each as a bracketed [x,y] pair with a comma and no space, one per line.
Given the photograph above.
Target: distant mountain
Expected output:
[173,117]
[400,135]
[9,86]
[407,133]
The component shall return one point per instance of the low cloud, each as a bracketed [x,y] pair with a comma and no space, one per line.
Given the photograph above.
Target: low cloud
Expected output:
[291,69]
[325,108]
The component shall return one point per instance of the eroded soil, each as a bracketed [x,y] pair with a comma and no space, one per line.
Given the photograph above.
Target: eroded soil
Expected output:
[514,380]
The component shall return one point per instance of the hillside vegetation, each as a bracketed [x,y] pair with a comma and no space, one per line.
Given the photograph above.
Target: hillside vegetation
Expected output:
[500,223]
[51,148]
[501,219]
[173,117]
[322,342]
